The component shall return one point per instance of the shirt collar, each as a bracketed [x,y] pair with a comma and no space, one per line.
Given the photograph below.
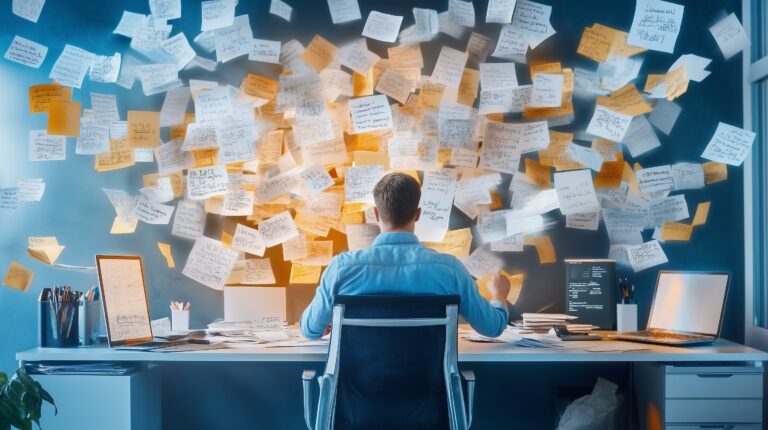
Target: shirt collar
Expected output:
[396,238]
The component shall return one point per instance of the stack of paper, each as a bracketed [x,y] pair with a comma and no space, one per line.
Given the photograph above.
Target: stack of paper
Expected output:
[545,321]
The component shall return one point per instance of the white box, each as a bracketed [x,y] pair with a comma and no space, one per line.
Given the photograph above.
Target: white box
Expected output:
[249,303]
[626,317]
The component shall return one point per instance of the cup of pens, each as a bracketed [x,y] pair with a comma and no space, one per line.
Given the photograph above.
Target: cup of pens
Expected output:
[179,316]
[59,315]
[90,317]
[626,309]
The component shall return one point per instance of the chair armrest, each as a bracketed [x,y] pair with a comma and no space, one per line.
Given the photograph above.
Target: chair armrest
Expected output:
[306,384]
[469,376]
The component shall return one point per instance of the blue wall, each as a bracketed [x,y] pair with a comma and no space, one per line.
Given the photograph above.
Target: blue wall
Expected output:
[75,210]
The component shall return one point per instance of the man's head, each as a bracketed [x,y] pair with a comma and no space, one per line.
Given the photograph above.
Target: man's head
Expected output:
[397,198]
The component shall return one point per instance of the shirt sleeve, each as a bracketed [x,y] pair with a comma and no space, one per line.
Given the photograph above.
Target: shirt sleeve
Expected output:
[317,315]
[488,319]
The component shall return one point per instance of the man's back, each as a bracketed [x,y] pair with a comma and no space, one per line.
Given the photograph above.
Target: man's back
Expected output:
[397,264]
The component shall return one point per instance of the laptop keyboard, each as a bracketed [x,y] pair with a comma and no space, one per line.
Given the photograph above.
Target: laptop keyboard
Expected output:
[667,335]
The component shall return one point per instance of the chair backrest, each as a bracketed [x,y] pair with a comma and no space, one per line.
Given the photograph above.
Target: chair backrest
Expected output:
[390,356]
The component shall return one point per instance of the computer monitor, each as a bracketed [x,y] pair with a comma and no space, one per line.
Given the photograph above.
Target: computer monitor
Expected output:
[689,301]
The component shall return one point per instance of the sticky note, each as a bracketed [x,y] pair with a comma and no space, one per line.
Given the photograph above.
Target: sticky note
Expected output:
[301,274]
[143,129]
[18,277]
[715,172]
[319,53]
[676,231]
[702,212]
[45,249]
[64,119]
[165,249]
[120,227]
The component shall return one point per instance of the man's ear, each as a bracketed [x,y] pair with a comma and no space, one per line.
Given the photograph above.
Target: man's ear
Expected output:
[376,213]
[418,215]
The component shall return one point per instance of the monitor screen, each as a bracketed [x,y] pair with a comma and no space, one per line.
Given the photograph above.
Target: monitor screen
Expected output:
[689,302]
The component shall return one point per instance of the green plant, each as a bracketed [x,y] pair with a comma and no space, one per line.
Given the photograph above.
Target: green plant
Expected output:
[21,401]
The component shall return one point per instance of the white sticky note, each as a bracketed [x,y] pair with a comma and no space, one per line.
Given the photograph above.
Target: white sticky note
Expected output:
[316,178]
[586,156]
[512,44]
[500,11]
[151,212]
[498,76]
[209,263]
[426,22]
[655,179]
[281,9]
[344,11]
[436,202]
[105,68]
[381,26]
[43,147]
[688,176]
[370,114]
[129,22]
[26,52]
[217,14]
[640,137]
[71,66]
[729,145]
[233,41]
[359,182]
[278,229]
[608,124]
[583,221]
[179,49]
[730,36]
[449,67]
[174,106]
[656,25]
[30,190]
[248,240]
[533,19]
[267,51]
[207,182]
[28,9]
[462,12]
[483,262]
[165,9]
[664,116]
[547,90]
[646,255]
[189,221]
[576,192]
[94,137]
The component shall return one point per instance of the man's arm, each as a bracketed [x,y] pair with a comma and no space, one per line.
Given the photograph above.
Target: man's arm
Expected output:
[318,314]
[488,319]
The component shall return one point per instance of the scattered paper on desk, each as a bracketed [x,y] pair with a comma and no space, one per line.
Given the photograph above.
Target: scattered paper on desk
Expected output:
[26,52]
[301,274]
[165,249]
[730,36]
[18,277]
[45,249]
[209,263]
[646,255]
[729,145]
[656,25]
[381,26]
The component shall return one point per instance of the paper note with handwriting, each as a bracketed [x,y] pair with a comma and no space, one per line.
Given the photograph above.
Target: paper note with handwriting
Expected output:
[71,66]
[258,271]
[547,90]
[170,158]
[266,51]
[281,9]
[449,67]
[143,129]
[41,96]
[151,212]
[207,182]
[500,11]
[395,85]
[498,76]
[30,190]
[575,192]
[344,11]
[189,221]
[370,114]
[646,255]
[436,203]
[18,277]
[233,41]
[278,229]
[26,52]
[673,208]
[27,9]
[482,261]
[45,249]
[656,25]
[209,263]
[505,142]
[730,36]
[44,147]
[688,176]
[217,14]
[381,26]
[655,179]
[9,198]
[249,240]
[302,274]
[583,221]
[608,124]
[360,236]
[316,178]
[94,137]
[104,107]
[359,182]
[729,145]
[165,9]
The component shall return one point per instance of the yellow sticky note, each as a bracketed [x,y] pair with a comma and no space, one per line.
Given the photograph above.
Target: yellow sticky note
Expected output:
[626,100]
[702,212]
[596,42]
[319,253]
[610,175]
[455,242]
[652,80]
[259,86]
[715,172]
[515,286]
[544,248]
[301,274]
[64,118]
[470,80]
[676,231]
[120,227]
[41,96]
[165,249]
[143,129]
[430,95]
[622,49]
[319,53]
[120,156]
[539,174]
[45,249]
[18,277]
[554,67]
[362,85]
[677,83]
[179,131]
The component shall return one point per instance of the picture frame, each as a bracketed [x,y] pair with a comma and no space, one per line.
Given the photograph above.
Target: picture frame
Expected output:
[124,300]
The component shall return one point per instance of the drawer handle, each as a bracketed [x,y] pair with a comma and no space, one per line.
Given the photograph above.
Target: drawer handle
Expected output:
[714,375]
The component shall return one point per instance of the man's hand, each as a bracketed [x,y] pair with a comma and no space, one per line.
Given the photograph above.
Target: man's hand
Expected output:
[499,287]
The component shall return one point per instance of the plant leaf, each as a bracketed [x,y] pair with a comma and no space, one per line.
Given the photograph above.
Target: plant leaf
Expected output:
[47,397]
[10,413]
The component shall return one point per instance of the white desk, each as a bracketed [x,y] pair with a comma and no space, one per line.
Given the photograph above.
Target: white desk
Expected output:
[282,367]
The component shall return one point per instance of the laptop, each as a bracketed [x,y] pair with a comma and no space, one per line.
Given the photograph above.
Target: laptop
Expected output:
[687,309]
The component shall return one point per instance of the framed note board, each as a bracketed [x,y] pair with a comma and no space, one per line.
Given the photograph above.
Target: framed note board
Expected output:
[124,298]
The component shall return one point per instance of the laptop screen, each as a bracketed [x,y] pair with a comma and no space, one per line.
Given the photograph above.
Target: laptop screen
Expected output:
[690,302]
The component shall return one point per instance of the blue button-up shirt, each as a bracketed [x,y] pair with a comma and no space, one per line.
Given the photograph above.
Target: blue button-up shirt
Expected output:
[397,263]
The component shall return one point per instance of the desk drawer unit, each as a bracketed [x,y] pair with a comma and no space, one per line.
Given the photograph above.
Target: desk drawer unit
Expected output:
[699,397]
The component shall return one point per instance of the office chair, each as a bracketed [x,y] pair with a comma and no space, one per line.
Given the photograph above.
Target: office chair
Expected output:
[392,364]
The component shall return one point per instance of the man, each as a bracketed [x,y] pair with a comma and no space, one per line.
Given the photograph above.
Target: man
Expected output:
[396,263]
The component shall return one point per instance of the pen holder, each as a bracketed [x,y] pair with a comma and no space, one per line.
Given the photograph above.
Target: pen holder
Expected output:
[179,320]
[58,324]
[90,322]
[626,317]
